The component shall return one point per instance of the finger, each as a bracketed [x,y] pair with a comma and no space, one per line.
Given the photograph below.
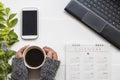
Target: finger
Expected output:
[50,49]
[55,56]
[46,50]
[18,55]
[23,48]
[49,54]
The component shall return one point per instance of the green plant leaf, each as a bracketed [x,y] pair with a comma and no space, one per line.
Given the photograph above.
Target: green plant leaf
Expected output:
[1,54]
[2,67]
[1,4]
[12,35]
[12,16]
[2,77]
[1,9]
[13,22]
[8,23]
[11,42]
[9,68]
[2,13]
[2,26]
[13,38]
[4,31]
[6,37]
[10,53]
[1,70]
[1,39]
[2,18]
[7,10]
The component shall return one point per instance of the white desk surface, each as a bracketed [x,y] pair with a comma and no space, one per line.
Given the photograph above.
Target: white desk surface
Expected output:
[56,28]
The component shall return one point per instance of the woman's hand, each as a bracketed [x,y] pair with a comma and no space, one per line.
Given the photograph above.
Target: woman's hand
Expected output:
[19,54]
[50,53]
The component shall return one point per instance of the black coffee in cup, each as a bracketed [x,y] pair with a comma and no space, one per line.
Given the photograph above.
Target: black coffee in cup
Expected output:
[34,57]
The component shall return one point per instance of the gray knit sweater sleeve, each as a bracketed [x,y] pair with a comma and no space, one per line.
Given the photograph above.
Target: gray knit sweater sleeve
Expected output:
[49,69]
[20,72]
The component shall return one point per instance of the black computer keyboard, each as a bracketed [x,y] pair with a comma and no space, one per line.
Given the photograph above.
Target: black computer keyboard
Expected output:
[109,10]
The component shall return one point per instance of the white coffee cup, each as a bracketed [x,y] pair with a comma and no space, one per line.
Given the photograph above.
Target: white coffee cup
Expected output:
[34,57]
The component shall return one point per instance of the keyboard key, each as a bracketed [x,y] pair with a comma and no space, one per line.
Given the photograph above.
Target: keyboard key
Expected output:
[99,13]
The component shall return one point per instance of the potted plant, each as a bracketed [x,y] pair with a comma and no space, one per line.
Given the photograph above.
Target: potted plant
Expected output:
[7,38]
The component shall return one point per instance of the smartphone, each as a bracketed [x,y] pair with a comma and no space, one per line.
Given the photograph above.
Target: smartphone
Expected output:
[29,23]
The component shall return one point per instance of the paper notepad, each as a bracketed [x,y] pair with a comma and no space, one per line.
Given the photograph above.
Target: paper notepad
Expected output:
[88,62]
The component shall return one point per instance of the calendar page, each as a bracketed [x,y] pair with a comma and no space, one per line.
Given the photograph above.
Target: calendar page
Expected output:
[88,62]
